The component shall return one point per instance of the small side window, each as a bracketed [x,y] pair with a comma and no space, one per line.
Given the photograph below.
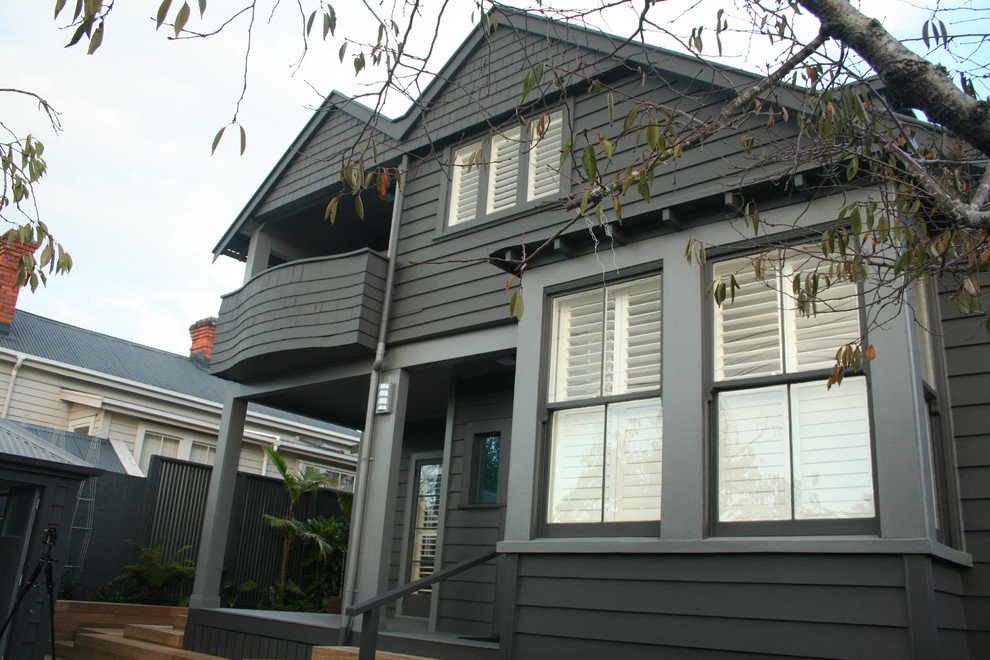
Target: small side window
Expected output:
[486,456]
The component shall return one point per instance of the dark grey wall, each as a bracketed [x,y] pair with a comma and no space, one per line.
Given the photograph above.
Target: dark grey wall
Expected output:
[318,166]
[467,601]
[628,606]
[967,354]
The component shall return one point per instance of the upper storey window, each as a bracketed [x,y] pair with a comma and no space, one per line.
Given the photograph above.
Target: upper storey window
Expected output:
[507,171]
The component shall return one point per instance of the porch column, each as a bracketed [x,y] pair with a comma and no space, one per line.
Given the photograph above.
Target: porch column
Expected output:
[378,518]
[219,498]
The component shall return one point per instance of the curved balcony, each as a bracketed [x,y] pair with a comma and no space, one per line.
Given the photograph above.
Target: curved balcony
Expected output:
[306,313]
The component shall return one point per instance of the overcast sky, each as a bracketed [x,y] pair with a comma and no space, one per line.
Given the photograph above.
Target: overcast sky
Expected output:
[132,190]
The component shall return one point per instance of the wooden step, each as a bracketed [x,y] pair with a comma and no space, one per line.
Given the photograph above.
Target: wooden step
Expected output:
[65,649]
[351,653]
[111,643]
[164,635]
[70,615]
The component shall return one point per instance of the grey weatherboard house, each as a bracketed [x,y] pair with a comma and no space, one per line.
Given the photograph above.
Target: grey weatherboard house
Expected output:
[767,518]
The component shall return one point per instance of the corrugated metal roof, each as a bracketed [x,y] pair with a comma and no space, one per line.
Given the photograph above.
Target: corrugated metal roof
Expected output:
[42,337]
[18,441]
[93,450]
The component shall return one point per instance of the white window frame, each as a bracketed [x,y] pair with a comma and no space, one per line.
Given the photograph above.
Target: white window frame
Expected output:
[211,452]
[505,173]
[143,433]
[345,480]
[602,411]
[763,447]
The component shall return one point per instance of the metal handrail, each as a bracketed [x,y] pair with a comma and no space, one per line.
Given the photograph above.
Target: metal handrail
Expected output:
[371,608]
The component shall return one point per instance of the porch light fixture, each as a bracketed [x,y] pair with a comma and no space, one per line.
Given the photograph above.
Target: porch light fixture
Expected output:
[383,403]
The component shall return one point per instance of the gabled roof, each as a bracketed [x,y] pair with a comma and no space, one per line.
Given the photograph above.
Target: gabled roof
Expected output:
[606,52]
[36,336]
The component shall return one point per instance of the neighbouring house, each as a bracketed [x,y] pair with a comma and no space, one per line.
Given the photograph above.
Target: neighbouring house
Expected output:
[141,401]
[692,492]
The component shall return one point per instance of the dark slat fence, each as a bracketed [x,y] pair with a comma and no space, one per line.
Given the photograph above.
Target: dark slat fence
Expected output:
[174,505]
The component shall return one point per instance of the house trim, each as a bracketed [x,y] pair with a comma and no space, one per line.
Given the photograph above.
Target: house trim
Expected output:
[723,545]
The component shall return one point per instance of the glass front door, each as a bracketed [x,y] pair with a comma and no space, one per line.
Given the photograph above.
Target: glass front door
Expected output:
[424,524]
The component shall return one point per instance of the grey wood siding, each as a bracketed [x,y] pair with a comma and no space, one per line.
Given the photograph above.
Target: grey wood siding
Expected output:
[967,356]
[317,163]
[950,612]
[467,601]
[228,635]
[627,606]
[307,311]
[443,284]
[489,82]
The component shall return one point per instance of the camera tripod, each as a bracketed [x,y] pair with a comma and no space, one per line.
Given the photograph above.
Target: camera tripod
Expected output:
[45,563]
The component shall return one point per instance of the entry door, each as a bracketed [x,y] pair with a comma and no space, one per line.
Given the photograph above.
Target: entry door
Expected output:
[424,523]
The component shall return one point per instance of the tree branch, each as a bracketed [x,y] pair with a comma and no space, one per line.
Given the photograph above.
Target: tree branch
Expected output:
[916,82]
[727,113]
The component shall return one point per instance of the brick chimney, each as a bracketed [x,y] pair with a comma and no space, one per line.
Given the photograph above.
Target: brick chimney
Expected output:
[202,332]
[10,256]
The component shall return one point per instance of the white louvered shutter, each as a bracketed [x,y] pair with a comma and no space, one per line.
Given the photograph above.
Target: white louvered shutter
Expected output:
[464,186]
[813,340]
[503,185]
[833,464]
[754,455]
[576,362]
[544,159]
[577,464]
[633,461]
[747,328]
[634,337]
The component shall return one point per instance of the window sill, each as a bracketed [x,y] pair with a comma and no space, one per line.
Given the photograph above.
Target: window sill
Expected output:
[806,544]
[509,215]
[474,506]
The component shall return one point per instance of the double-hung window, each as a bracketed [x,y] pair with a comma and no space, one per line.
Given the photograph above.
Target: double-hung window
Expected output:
[788,448]
[515,167]
[604,406]
[158,444]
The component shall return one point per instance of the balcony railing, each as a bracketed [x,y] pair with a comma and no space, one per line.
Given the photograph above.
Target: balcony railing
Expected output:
[306,313]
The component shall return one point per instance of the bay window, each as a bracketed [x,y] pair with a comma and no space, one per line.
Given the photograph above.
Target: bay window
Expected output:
[516,166]
[789,449]
[604,405]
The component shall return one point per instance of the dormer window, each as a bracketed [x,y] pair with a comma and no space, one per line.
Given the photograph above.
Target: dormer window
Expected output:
[506,172]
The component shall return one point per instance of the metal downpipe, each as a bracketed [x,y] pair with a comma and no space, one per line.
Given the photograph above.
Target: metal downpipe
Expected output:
[366,445]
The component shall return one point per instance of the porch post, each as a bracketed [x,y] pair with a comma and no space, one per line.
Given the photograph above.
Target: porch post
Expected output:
[219,498]
[372,562]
